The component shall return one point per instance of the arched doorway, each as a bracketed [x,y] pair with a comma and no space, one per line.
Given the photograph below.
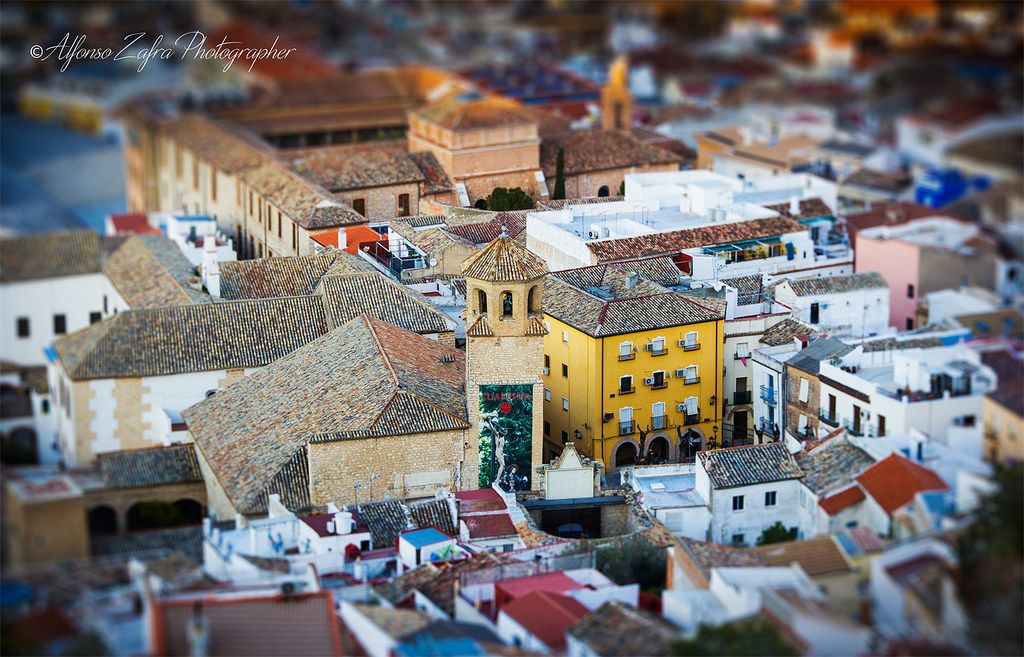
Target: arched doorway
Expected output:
[603,191]
[191,511]
[689,445]
[102,520]
[658,450]
[19,447]
[625,454]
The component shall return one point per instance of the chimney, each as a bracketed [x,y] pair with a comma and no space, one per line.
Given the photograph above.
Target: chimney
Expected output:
[210,267]
[794,205]
[342,239]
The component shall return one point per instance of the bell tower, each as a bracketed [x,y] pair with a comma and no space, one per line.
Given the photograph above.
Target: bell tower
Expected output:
[616,101]
[504,365]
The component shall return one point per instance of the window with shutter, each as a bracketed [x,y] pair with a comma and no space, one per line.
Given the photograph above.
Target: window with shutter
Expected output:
[803,389]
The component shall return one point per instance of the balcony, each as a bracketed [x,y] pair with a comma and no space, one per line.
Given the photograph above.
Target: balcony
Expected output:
[741,397]
[627,428]
[859,432]
[627,391]
[738,356]
[659,386]
[768,395]
[691,381]
[830,420]
[659,422]
[689,420]
[658,352]
[691,347]
[629,356]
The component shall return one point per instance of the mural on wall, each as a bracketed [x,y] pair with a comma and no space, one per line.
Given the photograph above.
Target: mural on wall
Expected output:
[506,440]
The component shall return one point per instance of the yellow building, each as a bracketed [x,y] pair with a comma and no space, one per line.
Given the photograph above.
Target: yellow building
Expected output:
[633,369]
[1003,411]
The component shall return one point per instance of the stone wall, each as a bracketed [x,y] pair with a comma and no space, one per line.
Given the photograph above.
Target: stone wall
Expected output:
[795,408]
[403,466]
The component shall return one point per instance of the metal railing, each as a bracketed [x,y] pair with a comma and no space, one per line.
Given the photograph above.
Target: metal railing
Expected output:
[627,391]
[659,422]
[830,420]
[691,381]
[689,420]
[691,347]
[627,428]
[768,395]
[741,397]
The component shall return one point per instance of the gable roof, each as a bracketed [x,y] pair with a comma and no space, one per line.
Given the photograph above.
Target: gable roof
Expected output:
[358,166]
[809,358]
[596,149]
[893,481]
[49,255]
[347,297]
[1009,394]
[150,271]
[546,615]
[504,260]
[192,338]
[844,499]
[785,331]
[395,383]
[460,112]
[817,556]
[805,287]
[264,278]
[832,464]
[616,628]
[153,466]
[808,208]
[674,241]
[749,464]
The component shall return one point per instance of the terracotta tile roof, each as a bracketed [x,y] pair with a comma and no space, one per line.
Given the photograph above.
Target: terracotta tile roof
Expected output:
[49,255]
[394,383]
[749,465]
[890,214]
[841,500]
[806,287]
[484,232]
[888,344]
[832,464]
[674,241]
[278,624]
[809,358]
[150,271]
[893,481]
[265,278]
[153,466]
[616,628]
[193,338]
[433,240]
[480,328]
[458,113]
[891,182]
[358,166]
[546,615]
[810,208]
[476,501]
[186,540]
[136,222]
[504,260]
[346,297]
[229,149]
[706,555]
[785,331]
[388,518]
[652,138]
[492,525]
[435,178]
[434,513]
[396,623]
[400,588]
[599,302]
[600,150]
[441,589]
[817,556]
[308,204]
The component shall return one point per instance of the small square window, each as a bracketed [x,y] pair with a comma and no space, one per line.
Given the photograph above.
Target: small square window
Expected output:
[23,327]
[769,498]
[565,403]
[60,324]
[737,502]
[565,437]
[565,370]
[738,539]
[547,394]
[565,337]
[95,317]
[547,428]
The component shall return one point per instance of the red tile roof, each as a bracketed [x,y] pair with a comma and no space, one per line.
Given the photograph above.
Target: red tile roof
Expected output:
[841,500]
[553,582]
[475,501]
[892,214]
[132,223]
[491,525]
[546,615]
[894,481]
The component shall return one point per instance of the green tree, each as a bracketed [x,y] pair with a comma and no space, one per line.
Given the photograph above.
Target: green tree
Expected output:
[514,198]
[622,188]
[991,553]
[754,638]
[777,533]
[633,560]
[559,175]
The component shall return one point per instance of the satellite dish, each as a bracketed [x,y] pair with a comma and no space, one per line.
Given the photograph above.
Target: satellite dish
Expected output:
[433,262]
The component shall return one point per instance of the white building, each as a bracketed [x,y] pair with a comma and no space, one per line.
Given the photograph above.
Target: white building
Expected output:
[878,392]
[749,489]
[669,493]
[720,227]
[851,304]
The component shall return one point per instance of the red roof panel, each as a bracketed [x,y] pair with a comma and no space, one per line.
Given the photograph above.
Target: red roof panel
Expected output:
[546,615]
[894,481]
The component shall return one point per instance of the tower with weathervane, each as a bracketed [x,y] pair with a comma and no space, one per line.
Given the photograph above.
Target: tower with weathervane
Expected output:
[504,365]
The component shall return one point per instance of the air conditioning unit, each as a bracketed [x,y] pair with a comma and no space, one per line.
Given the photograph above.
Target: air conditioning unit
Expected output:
[681,408]
[547,370]
[680,373]
[649,346]
[681,342]
[648,380]
[592,234]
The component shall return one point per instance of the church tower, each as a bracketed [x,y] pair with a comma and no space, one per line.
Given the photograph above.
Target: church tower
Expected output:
[504,365]
[616,101]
